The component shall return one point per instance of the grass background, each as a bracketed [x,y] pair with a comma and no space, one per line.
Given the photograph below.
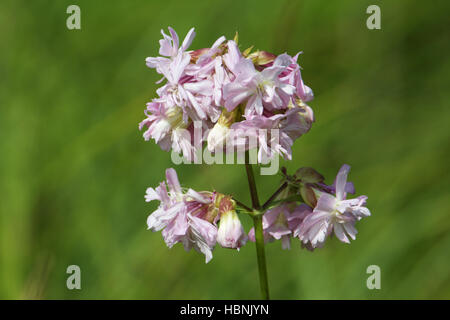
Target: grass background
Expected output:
[74,167]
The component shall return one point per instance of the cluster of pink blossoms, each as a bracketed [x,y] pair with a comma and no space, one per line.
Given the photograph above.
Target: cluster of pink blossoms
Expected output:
[222,88]
[191,217]
[201,220]
[325,210]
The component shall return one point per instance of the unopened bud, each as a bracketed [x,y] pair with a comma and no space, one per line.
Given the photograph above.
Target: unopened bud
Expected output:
[262,58]
[247,51]
[309,175]
[231,234]
[236,37]
[308,195]
[197,53]
[306,111]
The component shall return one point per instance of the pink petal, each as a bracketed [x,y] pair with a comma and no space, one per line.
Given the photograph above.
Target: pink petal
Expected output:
[172,181]
[326,203]
[151,195]
[175,40]
[340,234]
[234,94]
[341,180]
[188,39]
[350,229]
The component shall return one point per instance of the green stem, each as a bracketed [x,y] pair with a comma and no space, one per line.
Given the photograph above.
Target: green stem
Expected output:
[252,186]
[259,235]
[273,196]
[243,206]
[261,255]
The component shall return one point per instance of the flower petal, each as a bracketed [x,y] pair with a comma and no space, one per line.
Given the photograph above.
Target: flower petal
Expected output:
[341,180]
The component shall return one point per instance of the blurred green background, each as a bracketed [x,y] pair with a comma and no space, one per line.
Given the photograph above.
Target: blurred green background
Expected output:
[74,167]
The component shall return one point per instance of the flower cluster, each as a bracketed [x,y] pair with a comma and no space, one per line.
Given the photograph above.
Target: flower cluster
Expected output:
[191,217]
[324,211]
[223,89]
[239,98]
[307,209]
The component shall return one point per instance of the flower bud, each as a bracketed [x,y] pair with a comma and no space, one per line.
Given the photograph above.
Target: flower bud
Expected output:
[197,53]
[307,112]
[231,234]
[309,175]
[262,58]
[236,37]
[218,134]
[247,51]
[308,195]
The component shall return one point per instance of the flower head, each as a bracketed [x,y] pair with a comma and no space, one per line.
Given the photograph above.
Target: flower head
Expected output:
[190,217]
[183,215]
[263,91]
[333,213]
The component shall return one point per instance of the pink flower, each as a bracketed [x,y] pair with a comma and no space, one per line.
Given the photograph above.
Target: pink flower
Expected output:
[232,58]
[171,202]
[260,89]
[280,222]
[169,48]
[203,84]
[180,90]
[166,126]
[201,236]
[292,76]
[183,216]
[333,213]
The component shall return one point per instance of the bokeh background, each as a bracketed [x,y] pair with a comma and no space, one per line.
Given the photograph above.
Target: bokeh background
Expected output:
[74,167]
